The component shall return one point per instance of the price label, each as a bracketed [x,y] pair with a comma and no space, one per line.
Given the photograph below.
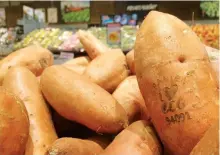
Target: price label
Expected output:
[114,34]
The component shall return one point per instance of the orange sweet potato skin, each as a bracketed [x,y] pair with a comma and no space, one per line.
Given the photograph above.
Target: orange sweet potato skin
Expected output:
[38,79]
[130,61]
[215,66]
[209,144]
[74,146]
[78,99]
[129,96]
[108,70]
[35,58]
[137,139]
[83,60]
[177,81]
[78,65]
[14,128]
[23,83]
[76,68]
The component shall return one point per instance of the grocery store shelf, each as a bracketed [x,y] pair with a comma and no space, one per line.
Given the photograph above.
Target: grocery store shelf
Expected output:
[70,26]
[202,22]
[76,52]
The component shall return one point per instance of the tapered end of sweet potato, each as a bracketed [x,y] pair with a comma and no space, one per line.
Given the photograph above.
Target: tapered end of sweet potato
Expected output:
[91,44]
[130,61]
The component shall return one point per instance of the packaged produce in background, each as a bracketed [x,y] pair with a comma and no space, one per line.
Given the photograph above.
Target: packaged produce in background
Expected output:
[70,43]
[44,37]
[7,38]
[65,40]
[60,39]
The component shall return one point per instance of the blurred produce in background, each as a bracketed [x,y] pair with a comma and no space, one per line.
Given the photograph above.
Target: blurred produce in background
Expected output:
[58,39]
[8,36]
[55,38]
[209,34]
[211,9]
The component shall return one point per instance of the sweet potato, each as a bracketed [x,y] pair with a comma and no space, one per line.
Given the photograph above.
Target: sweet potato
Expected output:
[129,96]
[108,70]
[103,141]
[76,68]
[38,79]
[34,57]
[78,99]
[83,60]
[91,44]
[14,124]
[78,65]
[137,139]
[209,144]
[23,83]
[176,80]
[130,61]
[215,66]
[74,146]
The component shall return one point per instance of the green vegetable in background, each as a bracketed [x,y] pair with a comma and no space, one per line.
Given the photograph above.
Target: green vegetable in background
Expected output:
[211,8]
[77,16]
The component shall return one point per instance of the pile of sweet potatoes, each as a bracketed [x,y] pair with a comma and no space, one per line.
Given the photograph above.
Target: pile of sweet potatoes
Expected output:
[162,97]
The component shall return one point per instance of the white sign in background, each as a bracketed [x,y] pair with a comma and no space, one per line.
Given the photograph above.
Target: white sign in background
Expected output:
[2,17]
[52,16]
